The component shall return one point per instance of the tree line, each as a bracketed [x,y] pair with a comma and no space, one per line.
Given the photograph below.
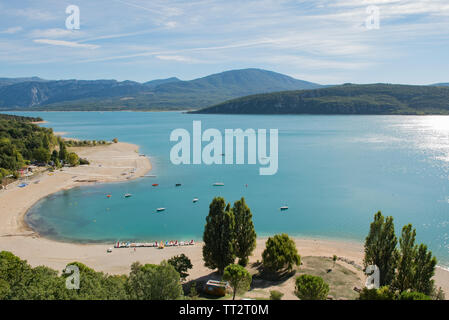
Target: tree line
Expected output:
[20,281]
[23,143]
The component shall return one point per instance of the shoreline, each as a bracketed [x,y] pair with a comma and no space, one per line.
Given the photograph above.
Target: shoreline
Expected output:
[108,164]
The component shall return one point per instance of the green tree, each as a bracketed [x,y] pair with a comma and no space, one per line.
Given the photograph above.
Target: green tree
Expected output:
[218,237]
[45,284]
[10,157]
[238,277]
[380,247]
[310,287]
[41,155]
[405,266]
[14,276]
[73,159]
[46,142]
[424,270]
[181,264]
[54,156]
[245,234]
[62,151]
[154,282]
[280,253]
[96,285]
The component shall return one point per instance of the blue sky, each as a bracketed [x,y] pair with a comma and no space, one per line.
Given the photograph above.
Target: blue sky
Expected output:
[324,41]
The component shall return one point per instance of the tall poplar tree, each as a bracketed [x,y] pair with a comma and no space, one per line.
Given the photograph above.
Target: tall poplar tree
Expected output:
[245,234]
[404,277]
[424,270]
[380,247]
[416,265]
[62,151]
[218,237]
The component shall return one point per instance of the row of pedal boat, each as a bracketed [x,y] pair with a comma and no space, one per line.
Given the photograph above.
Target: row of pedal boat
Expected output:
[154,244]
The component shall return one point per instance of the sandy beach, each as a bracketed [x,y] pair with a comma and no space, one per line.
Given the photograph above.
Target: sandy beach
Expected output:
[121,162]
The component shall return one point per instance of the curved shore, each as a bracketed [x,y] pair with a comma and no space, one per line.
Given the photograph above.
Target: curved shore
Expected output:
[115,163]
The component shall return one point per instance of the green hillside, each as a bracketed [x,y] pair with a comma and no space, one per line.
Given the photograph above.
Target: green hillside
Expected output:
[344,99]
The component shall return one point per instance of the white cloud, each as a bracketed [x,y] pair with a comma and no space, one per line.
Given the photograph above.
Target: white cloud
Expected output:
[11,30]
[171,24]
[64,43]
[33,14]
[175,58]
[54,33]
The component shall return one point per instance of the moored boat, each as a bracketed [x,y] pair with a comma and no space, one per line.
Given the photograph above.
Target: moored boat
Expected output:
[218,184]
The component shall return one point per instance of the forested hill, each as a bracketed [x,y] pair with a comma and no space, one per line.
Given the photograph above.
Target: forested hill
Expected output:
[19,118]
[344,99]
[162,94]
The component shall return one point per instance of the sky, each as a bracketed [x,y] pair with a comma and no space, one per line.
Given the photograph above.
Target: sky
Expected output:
[323,41]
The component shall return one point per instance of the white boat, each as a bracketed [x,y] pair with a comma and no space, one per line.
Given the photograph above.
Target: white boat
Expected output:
[150,176]
[160,209]
[127,195]
[195,200]
[284,208]
[218,184]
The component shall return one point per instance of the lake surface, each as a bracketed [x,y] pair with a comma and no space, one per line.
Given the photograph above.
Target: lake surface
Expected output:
[334,173]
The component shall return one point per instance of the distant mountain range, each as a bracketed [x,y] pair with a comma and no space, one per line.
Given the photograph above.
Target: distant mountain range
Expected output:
[344,99]
[165,94]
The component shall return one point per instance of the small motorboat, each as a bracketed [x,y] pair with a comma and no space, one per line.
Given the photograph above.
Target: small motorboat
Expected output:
[178,185]
[155,184]
[150,176]
[218,184]
[284,208]
[195,200]
[108,195]
[160,209]
[127,195]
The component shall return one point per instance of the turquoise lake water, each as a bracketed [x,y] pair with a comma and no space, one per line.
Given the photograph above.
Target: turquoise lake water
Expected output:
[334,173]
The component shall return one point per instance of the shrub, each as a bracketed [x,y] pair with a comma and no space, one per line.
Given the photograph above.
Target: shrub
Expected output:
[310,287]
[413,295]
[276,295]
